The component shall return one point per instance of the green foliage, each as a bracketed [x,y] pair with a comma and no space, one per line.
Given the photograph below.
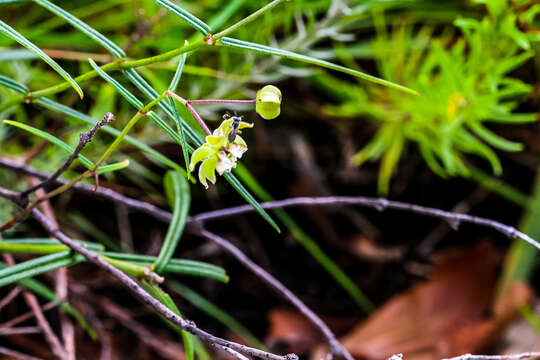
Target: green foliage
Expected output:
[464,85]
[12,33]
[177,190]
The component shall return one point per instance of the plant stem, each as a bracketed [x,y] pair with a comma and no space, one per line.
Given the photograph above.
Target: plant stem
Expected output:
[248,19]
[221,101]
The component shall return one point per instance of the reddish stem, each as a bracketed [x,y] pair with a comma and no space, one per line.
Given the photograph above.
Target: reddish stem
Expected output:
[220,101]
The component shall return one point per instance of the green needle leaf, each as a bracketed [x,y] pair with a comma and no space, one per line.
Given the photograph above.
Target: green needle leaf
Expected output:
[12,33]
[12,84]
[92,33]
[62,145]
[177,190]
[235,43]
[188,17]
[166,300]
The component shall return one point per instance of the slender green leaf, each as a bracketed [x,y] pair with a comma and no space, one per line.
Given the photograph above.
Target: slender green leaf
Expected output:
[166,300]
[92,33]
[176,266]
[14,85]
[494,139]
[191,19]
[179,69]
[177,190]
[2,2]
[62,145]
[12,33]
[179,123]
[235,43]
[37,266]
[122,90]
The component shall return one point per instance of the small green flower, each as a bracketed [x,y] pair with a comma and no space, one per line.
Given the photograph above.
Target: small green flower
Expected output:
[268,102]
[218,153]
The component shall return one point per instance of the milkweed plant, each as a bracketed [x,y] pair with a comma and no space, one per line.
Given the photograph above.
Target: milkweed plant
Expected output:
[221,150]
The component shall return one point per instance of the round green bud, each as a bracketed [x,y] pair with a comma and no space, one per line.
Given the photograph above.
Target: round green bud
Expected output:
[268,102]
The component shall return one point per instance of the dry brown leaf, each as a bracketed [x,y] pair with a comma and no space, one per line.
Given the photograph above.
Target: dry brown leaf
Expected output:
[293,329]
[448,315]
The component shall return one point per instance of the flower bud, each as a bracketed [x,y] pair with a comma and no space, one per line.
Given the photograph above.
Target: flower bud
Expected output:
[268,102]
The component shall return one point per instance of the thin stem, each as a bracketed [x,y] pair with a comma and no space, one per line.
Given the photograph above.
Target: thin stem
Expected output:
[221,101]
[527,355]
[336,348]
[193,112]
[377,203]
[138,291]
[197,117]
[84,138]
[380,204]
[247,20]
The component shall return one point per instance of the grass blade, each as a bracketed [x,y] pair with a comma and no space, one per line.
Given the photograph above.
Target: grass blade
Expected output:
[191,19]
[12,33]
[168,302]
[14,85]
[235,43]
[37,266]
[177,190]
[85,28]
[176,266]
[172,104]
[179,69]
[132,99]
[62,145]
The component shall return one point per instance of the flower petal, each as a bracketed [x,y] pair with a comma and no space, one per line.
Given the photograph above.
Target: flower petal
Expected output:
[207,170]
[216,141]
[225,163]
[200,154]
[244,124]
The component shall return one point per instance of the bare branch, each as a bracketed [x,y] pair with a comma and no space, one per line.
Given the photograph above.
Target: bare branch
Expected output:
[527,355]
[138,291]
[16,355]
[109,194]
[335,347]
[84,138]
[454,219]
[32,302]
[231,352]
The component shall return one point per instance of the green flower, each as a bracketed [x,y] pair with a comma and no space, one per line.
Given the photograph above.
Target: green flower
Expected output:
[218,153]
[268,102]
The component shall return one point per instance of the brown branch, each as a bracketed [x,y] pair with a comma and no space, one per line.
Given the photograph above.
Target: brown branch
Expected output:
[10,296]
[84,138]
[16,355]
[527,355]
[380,204]
[28,315]
[56,347]
[139,292]
[336,348]
[453,219]
[109,194]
